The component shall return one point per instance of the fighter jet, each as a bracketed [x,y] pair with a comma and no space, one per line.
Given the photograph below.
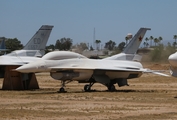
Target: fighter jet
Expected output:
[173,64]
[129,54]
[105,71]
[32,50]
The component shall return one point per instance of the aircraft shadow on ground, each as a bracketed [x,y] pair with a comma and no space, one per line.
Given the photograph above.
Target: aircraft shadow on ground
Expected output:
[53,91]
[44,91]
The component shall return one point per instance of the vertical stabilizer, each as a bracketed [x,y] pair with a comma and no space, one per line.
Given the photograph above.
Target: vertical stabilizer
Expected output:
[135,42]
[129,53]
[39,40]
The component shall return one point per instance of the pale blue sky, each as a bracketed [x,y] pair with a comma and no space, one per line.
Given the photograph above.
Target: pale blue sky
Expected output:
[76,19]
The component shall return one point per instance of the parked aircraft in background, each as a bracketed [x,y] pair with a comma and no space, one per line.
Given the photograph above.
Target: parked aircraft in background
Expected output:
[36,45]
[173,64]
[129,53]
[32,50]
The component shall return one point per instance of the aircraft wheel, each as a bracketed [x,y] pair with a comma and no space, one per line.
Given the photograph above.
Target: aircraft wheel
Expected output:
[111,88]
[62,89]
[87,88]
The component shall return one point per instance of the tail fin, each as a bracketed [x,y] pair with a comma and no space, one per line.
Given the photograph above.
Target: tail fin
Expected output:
[2,45]
[39,40]
[135,42]
[129,52]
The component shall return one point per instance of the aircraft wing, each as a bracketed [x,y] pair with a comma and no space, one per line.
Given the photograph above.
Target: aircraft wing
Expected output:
[58,69]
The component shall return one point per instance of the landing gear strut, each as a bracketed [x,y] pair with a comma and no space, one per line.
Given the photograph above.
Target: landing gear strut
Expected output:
[63,82]
[87,87]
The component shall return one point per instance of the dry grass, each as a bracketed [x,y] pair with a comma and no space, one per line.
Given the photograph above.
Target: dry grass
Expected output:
[147,97]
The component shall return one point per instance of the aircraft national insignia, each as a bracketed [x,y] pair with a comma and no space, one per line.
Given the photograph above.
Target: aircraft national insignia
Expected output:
[140,38]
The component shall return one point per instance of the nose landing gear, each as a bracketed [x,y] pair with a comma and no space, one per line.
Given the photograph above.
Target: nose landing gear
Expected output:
[87,87]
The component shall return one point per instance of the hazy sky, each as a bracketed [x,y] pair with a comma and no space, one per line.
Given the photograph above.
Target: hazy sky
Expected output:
[76,19]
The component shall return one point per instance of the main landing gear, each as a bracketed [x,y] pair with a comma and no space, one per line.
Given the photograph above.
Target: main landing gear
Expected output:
[111,87]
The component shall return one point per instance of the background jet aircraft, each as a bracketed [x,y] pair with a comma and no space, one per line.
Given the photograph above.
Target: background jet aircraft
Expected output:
[173,64]
[129,53]
[106,72]
[32,50]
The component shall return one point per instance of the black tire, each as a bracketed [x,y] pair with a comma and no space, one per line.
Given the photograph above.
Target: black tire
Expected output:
[112,88]
[87,88]
[62,89]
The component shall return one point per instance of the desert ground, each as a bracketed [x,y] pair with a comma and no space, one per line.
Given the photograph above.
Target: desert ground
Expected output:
[150,97]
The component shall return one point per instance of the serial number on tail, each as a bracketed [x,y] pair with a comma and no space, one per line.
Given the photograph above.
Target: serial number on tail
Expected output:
[32,47]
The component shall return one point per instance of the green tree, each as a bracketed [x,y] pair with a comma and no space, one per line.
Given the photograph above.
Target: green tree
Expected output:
[156,41]
[121,46]
[126,39]
[13,44]
[174,44]
[110,45]
[160,39]
[151,38]
[146,39]
[63,44]
[91,48]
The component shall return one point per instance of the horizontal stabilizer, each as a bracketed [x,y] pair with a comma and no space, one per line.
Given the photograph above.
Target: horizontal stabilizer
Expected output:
[157,72]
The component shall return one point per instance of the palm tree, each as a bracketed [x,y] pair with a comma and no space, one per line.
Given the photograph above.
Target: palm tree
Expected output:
[144,44]
[174,44]
[146,39]
[126,38]
[160,38]
[98,44]
[156,41]
[175,37]
[147,44]
[151,38]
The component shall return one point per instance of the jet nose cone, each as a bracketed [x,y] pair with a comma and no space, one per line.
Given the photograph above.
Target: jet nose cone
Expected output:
[25,69]
[173,59]
[32,67]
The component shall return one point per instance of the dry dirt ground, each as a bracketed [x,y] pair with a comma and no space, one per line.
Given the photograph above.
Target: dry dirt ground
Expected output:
[148,97]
